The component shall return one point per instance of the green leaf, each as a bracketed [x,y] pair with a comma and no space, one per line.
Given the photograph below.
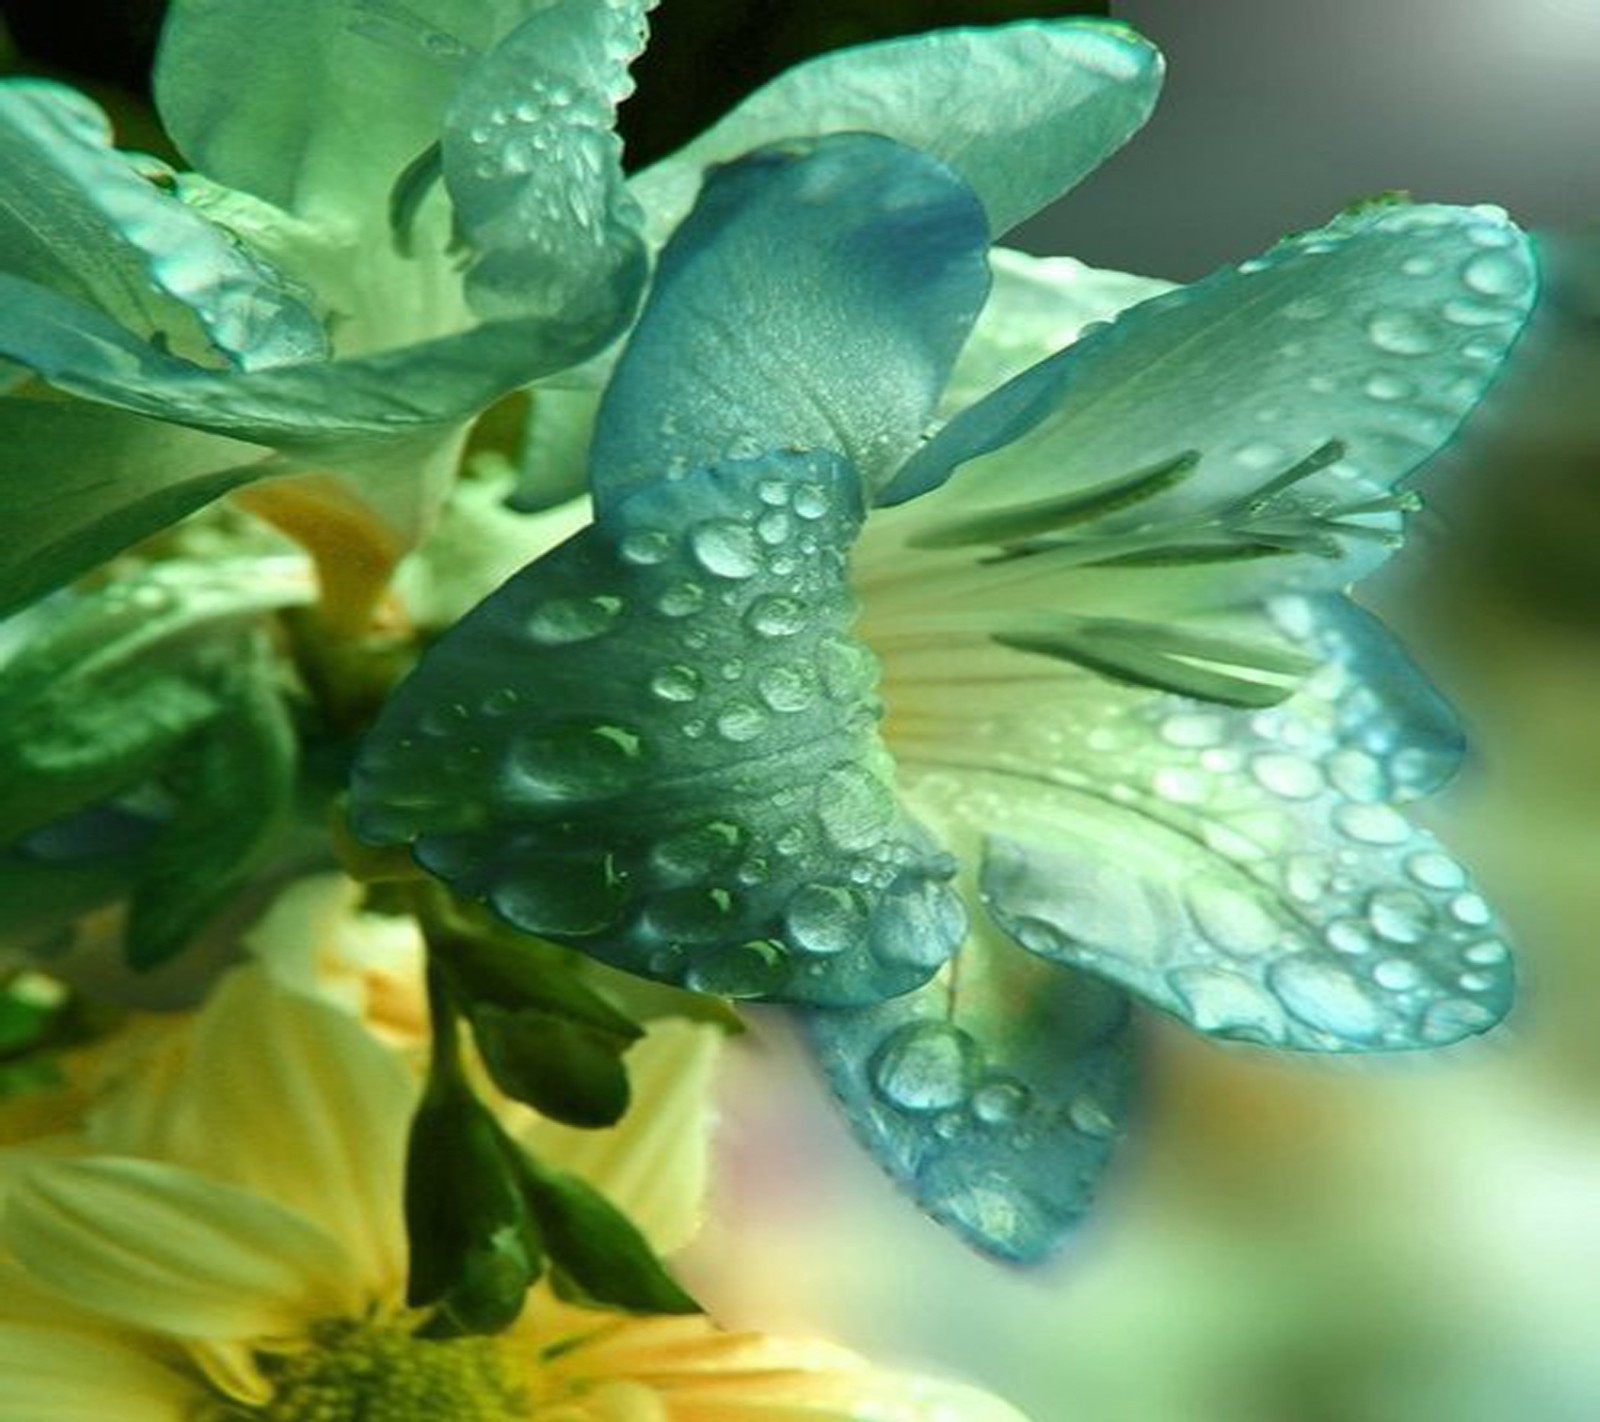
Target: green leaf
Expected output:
[110,683]
[547,1039]
[598,1255]
[475,1245]
[87,482]
[234,793]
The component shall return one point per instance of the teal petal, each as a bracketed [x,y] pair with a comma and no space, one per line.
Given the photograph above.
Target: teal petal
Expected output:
[816,298]
[1294,391]
[534,166]
[659,744]
[1247,871]
[79,218]
[338,98]
[1022,111]
[87,483]
[994,1094]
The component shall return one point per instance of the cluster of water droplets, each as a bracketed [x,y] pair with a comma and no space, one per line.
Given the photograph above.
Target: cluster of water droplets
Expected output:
[1249,871]
[533,160]
[660,744]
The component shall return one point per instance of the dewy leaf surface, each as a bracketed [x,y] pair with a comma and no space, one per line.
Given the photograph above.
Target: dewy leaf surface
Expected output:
[659,744]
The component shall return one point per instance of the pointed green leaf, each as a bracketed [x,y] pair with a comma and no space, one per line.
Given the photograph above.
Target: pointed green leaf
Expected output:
[599,1255]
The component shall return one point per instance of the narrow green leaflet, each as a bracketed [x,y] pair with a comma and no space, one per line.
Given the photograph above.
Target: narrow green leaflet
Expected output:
[598,1256]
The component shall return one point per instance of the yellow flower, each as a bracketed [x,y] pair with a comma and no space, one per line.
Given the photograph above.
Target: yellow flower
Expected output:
[223,1240]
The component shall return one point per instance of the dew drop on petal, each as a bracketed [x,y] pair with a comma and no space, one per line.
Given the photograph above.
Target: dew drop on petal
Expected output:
[924,1066]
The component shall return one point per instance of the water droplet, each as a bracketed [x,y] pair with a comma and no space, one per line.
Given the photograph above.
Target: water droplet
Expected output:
[1002,1101]
[752,969]
[682,600]
[810,501]
[1348,935]
[725,548]
[1470,909]
[1495,274]
[1487,952]
[1436,871]
[1452,1018]
[823,918]
[566,620]
[1191,729]
[1356,774]
[646,549]
[1260,455]
[773,528]
[1387,387]
[1325,997]
[1227,1003]
[1306,877]
[924,1066]
[1091,1118]
[1400,915]
[1232,919]
[1372,824]
[741,722]
[1397,974]
[1420,266]
[574,760]
[1290,776]
[775,615]
[699,851]
[581,898]
[773,492]
[676,683]
[1403,332]
[786,689]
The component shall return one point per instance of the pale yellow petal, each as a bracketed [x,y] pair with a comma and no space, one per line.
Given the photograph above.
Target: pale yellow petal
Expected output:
[654,1165]
[702,1374]
[162,1248]
[58,1375]
[291,1098]
[621,1401]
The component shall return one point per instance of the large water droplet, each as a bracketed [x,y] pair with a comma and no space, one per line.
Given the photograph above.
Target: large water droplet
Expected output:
[700,851]
[1495,274]
[1471,910]
[726,548]
[682,600]
[1001,1101]
[1397,974]
[1291,776]
[1227,1003]
[1436,871]
[752,969]
[1400,915]
[676,683]
[572,760]
[924,1066]
[1090,1117]
[578,899]
[823,918]
[741,722]
[786,689]
[1372,824]
[776,616]
[647,548]
[855,807]
[565,620]
[1403,333]
[1452,1018]
[1325,997]
[1231,919]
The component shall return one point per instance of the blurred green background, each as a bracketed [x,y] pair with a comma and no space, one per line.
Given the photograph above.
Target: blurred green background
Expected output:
[1408,1240]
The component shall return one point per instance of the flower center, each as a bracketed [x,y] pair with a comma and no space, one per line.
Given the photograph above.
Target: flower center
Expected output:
[385,1373]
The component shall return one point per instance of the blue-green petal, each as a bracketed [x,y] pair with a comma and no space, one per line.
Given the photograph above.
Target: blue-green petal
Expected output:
[337,98]
[1359,348]
[79,218]
[994,1095]
[1248,872]
[659,744]
[816,298]
[1021,111]
[534,165]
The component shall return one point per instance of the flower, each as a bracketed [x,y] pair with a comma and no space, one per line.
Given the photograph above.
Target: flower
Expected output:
[400,214]
[225,1241]
[972,761]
